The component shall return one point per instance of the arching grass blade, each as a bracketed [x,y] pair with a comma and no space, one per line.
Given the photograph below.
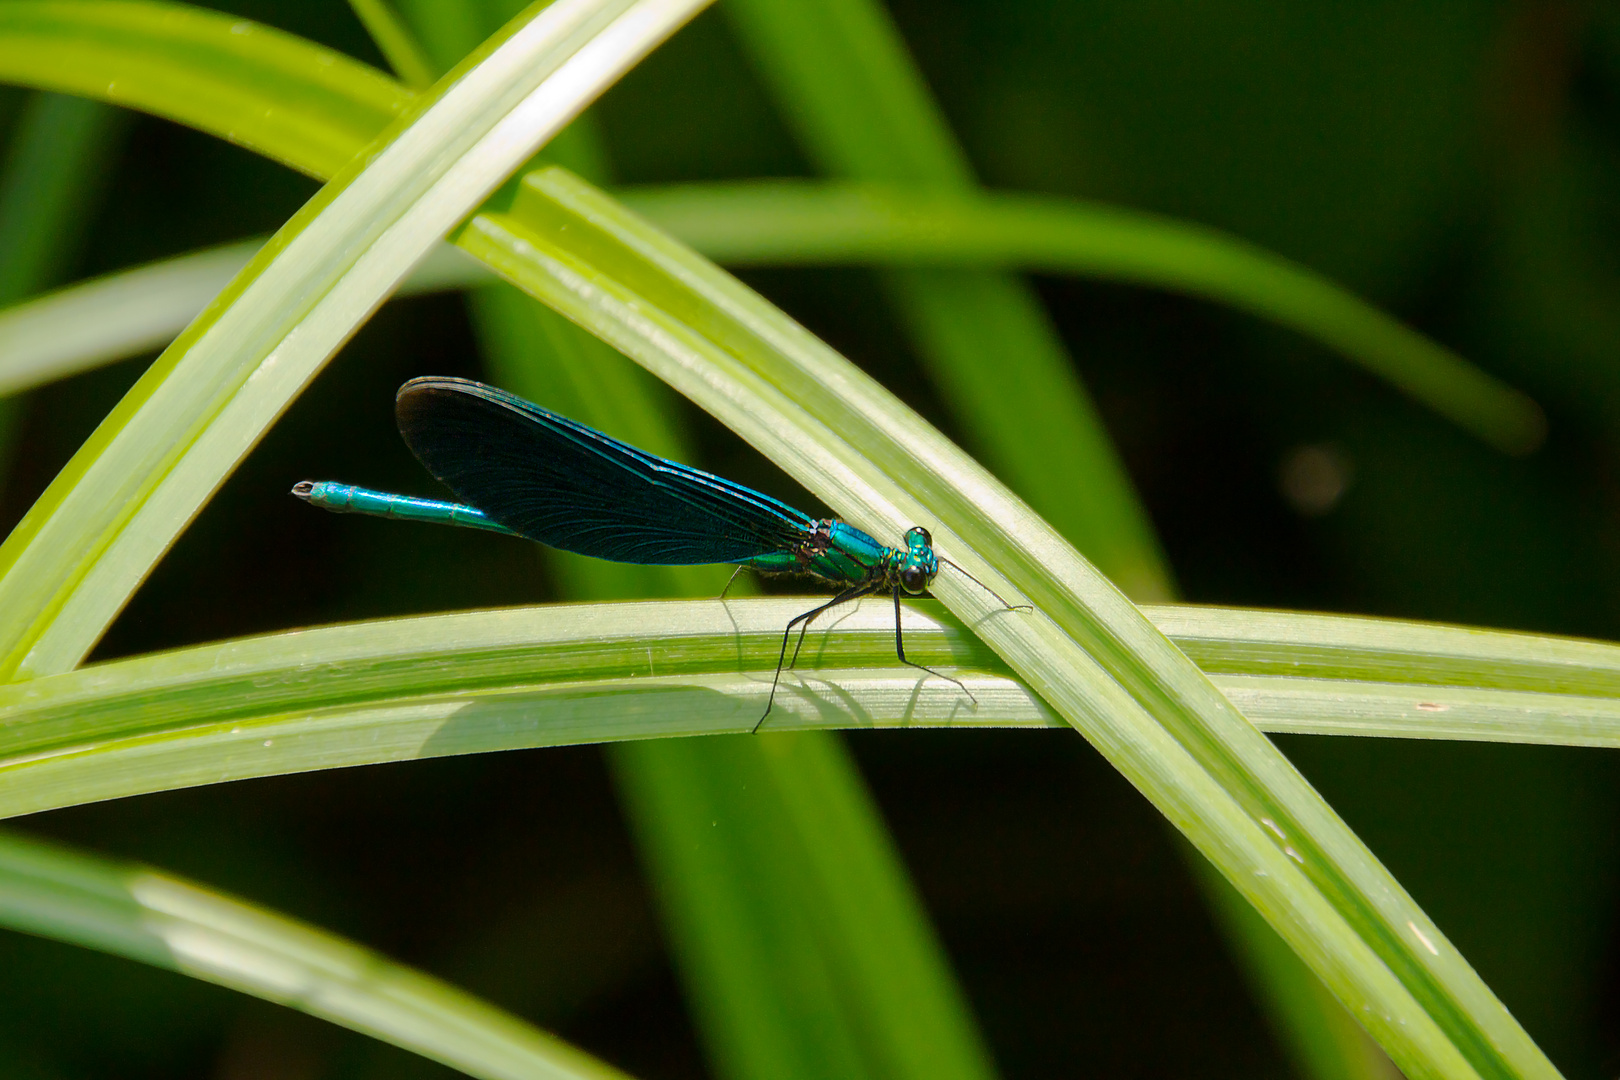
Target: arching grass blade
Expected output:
[153,917]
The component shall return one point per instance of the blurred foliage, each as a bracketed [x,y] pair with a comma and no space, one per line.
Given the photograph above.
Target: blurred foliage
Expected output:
[1457,161]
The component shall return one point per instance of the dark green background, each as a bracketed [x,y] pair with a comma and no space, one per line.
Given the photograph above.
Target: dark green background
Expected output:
[1455,161]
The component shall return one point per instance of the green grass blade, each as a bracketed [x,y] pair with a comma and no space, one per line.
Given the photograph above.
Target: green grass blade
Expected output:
[842,73]
[300,103]
[911,1017]
[153,917]
[1287,672]
[112,318]
[1098,661]
[448,29]
[1324,1040]
[57,155]
[1237,641]
[472,683]
[393,39]
[845,85]
[133,311]
[769,853]
[498,680]
[112,512]
[762,983]
[786,222]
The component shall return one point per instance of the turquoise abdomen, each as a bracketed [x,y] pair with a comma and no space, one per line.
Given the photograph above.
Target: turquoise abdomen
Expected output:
[776,562]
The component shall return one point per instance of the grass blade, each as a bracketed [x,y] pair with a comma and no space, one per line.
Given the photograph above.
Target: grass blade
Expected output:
[302,104]
[773,863]
[471,683]
[56,157]
[96,532]
[55,167]
[788,222]
[395,42]
[498,680]
[133,311]
[146,915]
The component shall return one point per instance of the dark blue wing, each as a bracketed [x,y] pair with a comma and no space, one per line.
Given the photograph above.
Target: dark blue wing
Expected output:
[570,486]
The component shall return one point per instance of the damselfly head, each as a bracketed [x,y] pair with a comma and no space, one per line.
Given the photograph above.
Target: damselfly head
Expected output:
[918,566]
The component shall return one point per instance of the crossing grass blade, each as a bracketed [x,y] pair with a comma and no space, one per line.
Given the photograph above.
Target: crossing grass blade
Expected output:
[863,111]
[156,918]
[471,683]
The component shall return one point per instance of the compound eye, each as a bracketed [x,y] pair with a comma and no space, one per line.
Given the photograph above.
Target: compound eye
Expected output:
[913,580]
[917,530]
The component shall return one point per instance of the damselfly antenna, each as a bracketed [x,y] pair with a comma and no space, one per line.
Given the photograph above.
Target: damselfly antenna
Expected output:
[986,588]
